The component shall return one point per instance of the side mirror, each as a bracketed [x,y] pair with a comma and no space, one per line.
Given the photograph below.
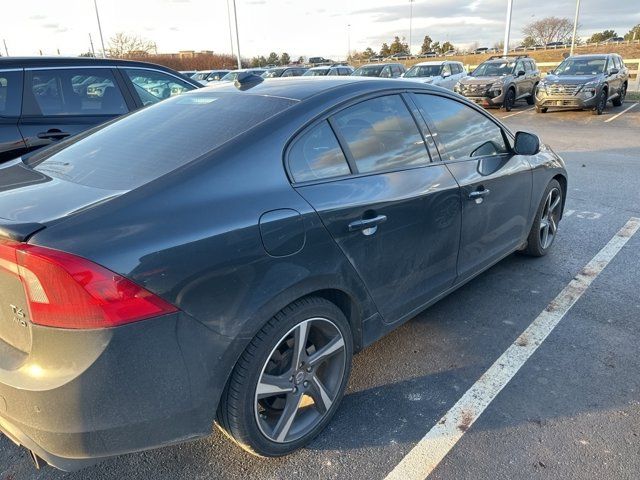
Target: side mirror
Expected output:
[521,73]
[527,143]
[614,71]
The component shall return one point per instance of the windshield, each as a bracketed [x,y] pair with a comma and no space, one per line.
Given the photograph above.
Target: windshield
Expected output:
[151,142]
[581,66]
[276,72]
[493,69]
[423,71]
[321,72]
[372,71]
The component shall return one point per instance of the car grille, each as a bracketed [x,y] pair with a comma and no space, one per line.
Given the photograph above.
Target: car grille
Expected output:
[474,89]
[559,89]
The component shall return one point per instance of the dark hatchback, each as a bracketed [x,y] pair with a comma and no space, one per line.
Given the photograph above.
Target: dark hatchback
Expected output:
[43,100]
[170,270]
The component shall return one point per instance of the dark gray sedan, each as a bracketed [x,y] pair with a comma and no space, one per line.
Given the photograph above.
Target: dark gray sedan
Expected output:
[169,269]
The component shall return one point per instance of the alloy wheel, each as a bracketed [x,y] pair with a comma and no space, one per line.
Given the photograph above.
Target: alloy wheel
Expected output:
[300,380]
[549,218]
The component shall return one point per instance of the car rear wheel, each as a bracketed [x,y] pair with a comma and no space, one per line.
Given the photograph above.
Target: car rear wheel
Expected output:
[545,225]
[290,380]
[620,100]
[602,103]
[509,100]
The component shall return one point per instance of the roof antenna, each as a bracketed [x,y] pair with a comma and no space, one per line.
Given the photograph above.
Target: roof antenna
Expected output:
[246,80]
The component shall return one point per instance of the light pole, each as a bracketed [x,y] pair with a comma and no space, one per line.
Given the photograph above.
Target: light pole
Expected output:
[575,27]
[6,50]
[95,4]
[507,28]
[230,28]
[348,41]
[410,24]
[235,16]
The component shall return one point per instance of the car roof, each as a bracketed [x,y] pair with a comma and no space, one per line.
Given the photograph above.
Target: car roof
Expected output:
[301,88]
[438,62]
[592,55]
[41,62]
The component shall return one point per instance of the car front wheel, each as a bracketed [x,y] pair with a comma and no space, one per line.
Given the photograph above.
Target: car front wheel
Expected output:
[602,103]
[289,381]
[509,100]
[545,225]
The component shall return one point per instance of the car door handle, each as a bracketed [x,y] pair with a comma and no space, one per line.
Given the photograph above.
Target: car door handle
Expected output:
[479,194]
[367,225]
[53,134]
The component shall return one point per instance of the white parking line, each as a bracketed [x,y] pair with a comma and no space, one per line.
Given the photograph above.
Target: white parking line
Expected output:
[436,444]
[518,113]
[623,111]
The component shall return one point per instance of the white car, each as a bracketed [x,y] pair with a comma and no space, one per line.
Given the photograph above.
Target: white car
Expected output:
[442,73]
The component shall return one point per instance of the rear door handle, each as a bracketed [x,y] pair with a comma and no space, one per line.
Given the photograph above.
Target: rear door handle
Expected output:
[479,194]
[367,225]
[53,134]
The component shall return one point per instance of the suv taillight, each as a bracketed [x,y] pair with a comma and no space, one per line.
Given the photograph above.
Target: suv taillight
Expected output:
[67,291]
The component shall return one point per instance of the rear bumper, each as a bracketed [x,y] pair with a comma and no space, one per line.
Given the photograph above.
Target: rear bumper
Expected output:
[82,396]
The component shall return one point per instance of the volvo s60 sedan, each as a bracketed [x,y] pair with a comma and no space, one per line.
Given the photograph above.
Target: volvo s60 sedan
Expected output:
[168,271]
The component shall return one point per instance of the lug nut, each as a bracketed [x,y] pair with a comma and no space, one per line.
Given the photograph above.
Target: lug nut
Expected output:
[306,384]
[308,369]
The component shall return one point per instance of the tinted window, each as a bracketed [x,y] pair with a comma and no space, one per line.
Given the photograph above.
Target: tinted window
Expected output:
[10,94]
[317,155]
[82,91]
[463,131]
[381,134]
[151,142]
[519,67]
[617,62]
[157,85]
[446,69]
[368,71]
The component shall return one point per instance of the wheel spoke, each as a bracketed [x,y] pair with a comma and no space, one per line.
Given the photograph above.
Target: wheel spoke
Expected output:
[271,385]
[555,204]
[334,346]
[545,236]
[544,223]
[281,430]
[320,396]
[300,343]
[553,226]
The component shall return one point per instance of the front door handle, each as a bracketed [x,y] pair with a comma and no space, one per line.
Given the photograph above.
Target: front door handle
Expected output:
[53,134]
[369,226]
[479,194]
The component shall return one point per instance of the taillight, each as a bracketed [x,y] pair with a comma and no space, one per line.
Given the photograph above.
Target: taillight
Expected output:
[67,291]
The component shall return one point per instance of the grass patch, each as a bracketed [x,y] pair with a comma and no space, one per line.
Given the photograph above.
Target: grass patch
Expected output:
[634,96]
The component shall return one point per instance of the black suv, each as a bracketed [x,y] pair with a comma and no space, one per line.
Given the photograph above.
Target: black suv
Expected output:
[586,82]
[43,100]
[501,81]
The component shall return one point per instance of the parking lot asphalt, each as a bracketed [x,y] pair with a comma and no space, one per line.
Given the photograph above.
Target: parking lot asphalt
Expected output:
[572,411]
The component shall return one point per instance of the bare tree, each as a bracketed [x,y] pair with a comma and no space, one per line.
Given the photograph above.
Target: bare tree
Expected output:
[125,45]
[550,29]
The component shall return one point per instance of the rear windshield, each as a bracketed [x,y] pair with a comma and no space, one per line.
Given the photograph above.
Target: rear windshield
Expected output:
[154,141]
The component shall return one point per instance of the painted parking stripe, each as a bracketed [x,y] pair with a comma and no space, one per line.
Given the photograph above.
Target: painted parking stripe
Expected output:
[623,111]
[518,113]
[436,444]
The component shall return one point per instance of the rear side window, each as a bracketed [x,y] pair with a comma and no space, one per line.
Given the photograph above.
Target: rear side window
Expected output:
[462,131]
[149,143]
[317,155]
[381,135]
[10,94]
[153,86]
[69,91]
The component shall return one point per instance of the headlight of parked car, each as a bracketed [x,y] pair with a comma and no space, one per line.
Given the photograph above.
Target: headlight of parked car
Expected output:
[588,89]
[457,87]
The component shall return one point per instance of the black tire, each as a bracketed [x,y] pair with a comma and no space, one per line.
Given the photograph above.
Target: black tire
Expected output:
[535,247]
[541,109]
[509,100]
[617,102]
[240,413]
[602,103]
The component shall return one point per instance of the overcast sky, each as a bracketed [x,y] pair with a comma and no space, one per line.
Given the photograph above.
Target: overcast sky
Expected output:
[299,27]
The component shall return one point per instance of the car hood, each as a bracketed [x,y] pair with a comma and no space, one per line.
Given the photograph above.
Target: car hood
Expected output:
[479,80]
[571,79]
[30,196]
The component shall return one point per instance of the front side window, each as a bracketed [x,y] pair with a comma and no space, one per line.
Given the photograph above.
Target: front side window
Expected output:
[70,91]
[316,155]
[519,67]
[153,86]
[10,94]
[464,132]
[381,135]
[446,70]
